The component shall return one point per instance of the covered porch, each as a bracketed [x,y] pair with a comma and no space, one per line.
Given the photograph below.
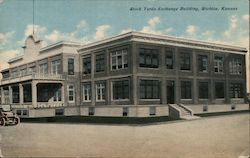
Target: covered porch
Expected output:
[34,94]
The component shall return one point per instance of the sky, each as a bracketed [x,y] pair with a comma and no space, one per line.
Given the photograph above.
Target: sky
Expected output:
[91,20]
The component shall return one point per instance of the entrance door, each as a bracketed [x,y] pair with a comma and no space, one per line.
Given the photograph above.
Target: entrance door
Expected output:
[170,92]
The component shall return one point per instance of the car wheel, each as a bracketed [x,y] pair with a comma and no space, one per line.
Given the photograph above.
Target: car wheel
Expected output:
[2,121]
[17,121]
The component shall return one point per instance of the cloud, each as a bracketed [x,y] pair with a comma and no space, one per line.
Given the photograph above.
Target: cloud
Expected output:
[38,30]
[5,38]
[152,25]
[82,25]
[154,21]
[246,17]
[5,55]
[192,30]
[101,32]
[233,23]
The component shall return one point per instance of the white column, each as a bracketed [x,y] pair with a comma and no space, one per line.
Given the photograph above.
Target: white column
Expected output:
[10,95]
[34,93]
[20,93]
[2,96]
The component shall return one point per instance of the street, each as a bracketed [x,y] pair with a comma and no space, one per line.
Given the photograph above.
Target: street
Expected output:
[212,137]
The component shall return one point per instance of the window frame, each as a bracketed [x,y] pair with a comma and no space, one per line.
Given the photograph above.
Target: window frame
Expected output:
[149,55]
[201,90]
[68,90]
[149,84]
[87,65]
[200,63]
[57,64]
[219,64]
[186,61]
[100,62]
[172,59]
[123,53]
[181,86]
[71,66]
[235,66]
[128,87]
[87,86]
[101,87]
[216,91]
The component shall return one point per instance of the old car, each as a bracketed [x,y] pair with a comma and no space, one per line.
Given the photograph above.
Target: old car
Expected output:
[7,116]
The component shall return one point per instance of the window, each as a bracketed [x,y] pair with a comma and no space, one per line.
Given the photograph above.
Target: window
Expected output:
[71,93]
[219,90]
[22,112]
[236,90]
[27,93]
[125,111]
[71,66]
[185,61]
[100,92]
[6,96]
[86,65]
[149,89]
[23,72]
[59,112]
[100,63]
[218,64]
[57,94]
[235,67]
[15,94]
[152,111]
[203,63]
[6,74]
[149,58]
[32,70]
[86,92]
[55,67]
[186,90]
[91,111]
[14,73]
[43,68]
[203,90]
[169,59]
[119,59]
[121,89]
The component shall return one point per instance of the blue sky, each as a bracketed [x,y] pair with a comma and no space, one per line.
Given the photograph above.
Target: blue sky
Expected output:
[90,20]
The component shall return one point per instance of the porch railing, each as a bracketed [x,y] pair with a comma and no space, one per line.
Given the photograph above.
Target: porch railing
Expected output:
[30,77]
[49,105]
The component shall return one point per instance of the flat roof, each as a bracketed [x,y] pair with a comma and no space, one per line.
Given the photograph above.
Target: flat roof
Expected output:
[164,39]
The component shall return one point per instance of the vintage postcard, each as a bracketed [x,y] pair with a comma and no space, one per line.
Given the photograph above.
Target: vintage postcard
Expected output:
[124,78]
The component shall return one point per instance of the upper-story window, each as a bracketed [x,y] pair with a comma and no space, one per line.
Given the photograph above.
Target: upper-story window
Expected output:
[71,66]
[218,64]
[235,66]
[32,70]
[86,65]
[100,63]
[170,59]
[119,59]
[56,67]
[23,72]
[43,68]
[14,73]
[149,57]
[202,63]
[6,74]
[185,61]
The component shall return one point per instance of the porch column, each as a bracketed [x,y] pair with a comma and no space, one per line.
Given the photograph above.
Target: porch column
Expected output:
[10,95]
[2,95]
[34,93]
[20,93]
[62,93]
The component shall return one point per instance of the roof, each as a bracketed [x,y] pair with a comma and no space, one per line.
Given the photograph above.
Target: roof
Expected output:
[163,39]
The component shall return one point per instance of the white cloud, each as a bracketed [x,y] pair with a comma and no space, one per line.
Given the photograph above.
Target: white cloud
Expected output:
[154,21]
[246,17]
[233,23]
[5,38]
[53,37]
[82,25]
[38,30]
[192,30]
[5,55]
[101,32]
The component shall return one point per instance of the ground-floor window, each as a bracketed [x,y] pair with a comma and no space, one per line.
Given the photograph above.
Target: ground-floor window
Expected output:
[219,90]
[6,96]
[149,89]
[86,88]
[27,95]
[100,92]
[236,90]
[57,94]
[203,90]
[186,92]
[71,93]
[15,94]
[121,89]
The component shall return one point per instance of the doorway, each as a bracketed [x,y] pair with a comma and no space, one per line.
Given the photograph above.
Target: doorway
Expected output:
[170,92]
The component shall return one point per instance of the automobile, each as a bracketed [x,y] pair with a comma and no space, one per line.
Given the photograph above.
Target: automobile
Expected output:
[7,116]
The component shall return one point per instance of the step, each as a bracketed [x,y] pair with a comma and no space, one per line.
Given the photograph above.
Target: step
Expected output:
[189,117]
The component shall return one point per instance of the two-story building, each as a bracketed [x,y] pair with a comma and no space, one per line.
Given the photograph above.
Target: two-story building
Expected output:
[132,74]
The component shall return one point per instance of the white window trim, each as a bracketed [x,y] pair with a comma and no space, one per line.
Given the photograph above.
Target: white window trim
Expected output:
[112,96]
[217,63]
[122,53]
[71,101]
[88,95]
[99,87]
[57,64]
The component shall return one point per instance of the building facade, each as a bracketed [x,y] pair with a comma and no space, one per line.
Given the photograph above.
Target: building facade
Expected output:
[132,74]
